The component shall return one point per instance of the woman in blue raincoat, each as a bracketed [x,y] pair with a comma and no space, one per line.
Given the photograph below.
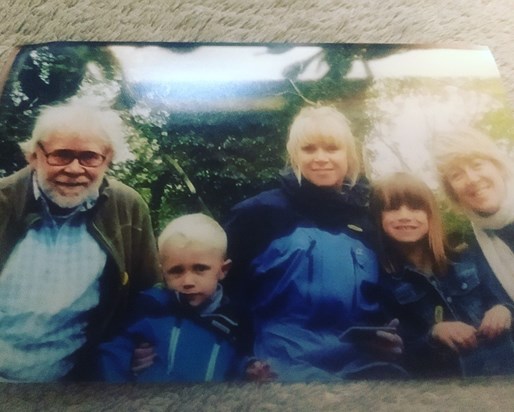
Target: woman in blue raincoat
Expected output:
[303,257]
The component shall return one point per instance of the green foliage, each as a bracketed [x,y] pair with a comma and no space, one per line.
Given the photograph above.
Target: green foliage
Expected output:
[499,124]
[439,104]
[209,161]
[185,161]
[456,226]
[203,167]
[42,75]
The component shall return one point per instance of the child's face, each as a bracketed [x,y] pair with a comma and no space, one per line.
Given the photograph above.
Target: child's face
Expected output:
[193,271]
[478,185]
[405,225]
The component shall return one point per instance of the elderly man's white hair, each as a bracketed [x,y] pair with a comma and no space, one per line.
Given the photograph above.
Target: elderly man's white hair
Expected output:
[80,118]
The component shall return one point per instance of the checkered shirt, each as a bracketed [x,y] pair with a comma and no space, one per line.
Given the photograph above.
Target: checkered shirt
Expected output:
[49,283]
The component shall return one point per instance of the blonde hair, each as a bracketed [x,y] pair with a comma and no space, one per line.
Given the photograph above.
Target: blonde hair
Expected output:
[398,189]
[81,119]
[326,123]
[193,230]
[461,146]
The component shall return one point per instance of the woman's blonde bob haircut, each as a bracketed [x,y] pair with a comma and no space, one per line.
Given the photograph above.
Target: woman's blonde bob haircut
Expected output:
[462,146]
[193,230]
[390,193]
[323,123]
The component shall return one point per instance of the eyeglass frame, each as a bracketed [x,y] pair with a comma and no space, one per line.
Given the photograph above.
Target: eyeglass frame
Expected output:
[76,155]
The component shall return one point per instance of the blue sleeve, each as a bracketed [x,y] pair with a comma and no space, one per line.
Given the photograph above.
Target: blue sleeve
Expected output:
[115,359]
[115,356]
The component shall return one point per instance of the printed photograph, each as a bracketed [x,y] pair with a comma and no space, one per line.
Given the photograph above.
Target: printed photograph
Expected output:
[195,212]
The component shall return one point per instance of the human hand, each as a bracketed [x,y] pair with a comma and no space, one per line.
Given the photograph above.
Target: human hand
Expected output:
[142,357]
[496,320]
[259,371]
[456,335]
[385,343]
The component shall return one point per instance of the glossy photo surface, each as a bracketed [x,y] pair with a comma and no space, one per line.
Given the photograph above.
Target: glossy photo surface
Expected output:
[206,126]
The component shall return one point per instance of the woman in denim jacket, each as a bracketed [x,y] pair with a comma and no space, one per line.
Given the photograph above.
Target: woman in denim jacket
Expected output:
[450,322]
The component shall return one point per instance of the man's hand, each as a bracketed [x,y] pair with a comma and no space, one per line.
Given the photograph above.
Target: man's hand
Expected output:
[456,335]
[496,321]
[143,357]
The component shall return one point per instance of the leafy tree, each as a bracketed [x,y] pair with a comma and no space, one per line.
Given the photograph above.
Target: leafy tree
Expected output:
[183,161]
[210,160]
[43,75]
[407,114]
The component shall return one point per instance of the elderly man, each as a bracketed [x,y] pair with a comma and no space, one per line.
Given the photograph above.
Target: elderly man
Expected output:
[74,246]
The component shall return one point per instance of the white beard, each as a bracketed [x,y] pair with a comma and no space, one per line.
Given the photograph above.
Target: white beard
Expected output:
[70,201]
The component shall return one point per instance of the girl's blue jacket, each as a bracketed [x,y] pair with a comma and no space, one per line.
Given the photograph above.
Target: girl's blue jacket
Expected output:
[420,301]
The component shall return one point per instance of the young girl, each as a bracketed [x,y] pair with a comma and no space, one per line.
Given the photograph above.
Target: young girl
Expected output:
[451,324]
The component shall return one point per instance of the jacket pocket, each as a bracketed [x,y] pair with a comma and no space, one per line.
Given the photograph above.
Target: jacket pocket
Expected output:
[464,292]
[464,282]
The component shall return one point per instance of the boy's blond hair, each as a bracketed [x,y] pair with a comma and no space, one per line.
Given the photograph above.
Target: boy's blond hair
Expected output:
[464,145]
[193,230]
[325,123]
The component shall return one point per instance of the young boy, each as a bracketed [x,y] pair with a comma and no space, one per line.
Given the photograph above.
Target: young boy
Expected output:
[188,321]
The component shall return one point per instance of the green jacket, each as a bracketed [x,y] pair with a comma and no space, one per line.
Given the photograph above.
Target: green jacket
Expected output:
[120,222]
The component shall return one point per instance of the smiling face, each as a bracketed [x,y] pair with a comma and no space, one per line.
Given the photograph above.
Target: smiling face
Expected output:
[477,184]
[406,210]
[323,163]
[69,185]
[193,271]
[321,148]
[405,225]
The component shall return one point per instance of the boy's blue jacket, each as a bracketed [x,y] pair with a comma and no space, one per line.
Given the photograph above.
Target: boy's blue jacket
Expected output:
[190,347]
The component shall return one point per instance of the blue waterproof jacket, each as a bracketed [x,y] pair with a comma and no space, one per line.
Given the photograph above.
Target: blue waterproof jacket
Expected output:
[189,347]
[419,301]
[302,255]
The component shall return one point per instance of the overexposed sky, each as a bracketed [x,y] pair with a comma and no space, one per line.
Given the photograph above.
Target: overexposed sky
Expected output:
[441,62]
[212,64]
[229,64]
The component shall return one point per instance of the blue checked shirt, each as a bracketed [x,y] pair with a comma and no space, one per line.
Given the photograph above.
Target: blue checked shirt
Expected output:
[49,283]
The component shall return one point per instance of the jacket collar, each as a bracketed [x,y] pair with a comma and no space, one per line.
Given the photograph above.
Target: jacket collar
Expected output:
[351,196]
[328,207]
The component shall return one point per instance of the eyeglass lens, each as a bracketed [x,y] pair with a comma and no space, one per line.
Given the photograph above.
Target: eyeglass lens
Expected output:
[63,157]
